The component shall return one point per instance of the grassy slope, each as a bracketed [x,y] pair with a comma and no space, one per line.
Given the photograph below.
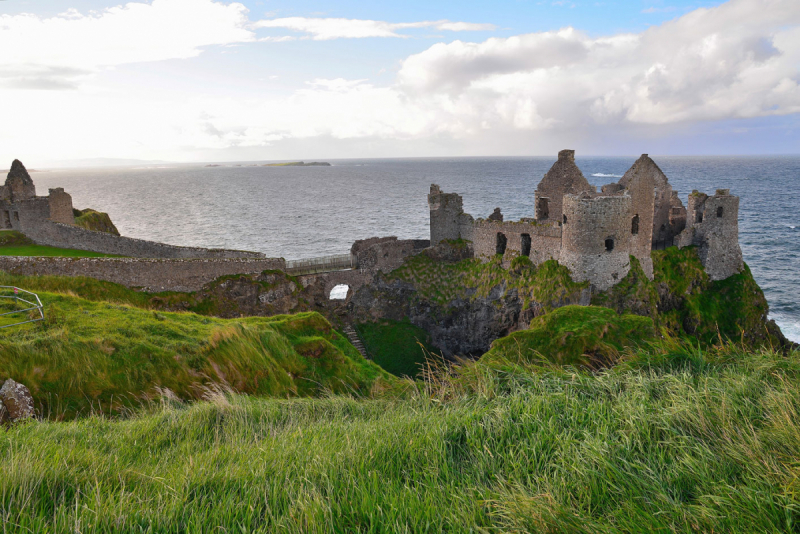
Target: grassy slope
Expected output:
[104,356]
[95,220]
[710,445]
[13,243]
[399,347]
[574,335]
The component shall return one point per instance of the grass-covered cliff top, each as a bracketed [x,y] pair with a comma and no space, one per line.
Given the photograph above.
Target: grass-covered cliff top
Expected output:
[13,243]
[674,440]
[104,356]
[94,220]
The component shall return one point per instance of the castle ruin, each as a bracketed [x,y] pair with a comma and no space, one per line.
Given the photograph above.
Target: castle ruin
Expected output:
[594,233]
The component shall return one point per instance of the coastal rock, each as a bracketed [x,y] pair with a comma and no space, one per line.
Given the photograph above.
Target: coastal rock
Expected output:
[16,400]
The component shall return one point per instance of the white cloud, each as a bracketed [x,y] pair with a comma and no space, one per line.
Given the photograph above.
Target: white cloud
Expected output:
[737,60]
[325,29]
[56,52]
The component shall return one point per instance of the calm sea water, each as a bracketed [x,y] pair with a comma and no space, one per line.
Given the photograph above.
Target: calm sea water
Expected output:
[299,212]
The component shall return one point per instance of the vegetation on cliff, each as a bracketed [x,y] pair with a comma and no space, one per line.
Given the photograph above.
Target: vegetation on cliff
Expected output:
[588,336]
[397,346]
[94,220]
[106,357]
[675,440]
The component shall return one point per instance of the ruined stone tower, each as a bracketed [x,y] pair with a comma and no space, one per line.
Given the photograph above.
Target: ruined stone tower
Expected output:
[596,238]
[19,185]
[712,225]
[563,177]
[448,220]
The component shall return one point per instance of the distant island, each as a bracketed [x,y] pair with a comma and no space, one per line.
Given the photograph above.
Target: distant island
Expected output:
[299,164]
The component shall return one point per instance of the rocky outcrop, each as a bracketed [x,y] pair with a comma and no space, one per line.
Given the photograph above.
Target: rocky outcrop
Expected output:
[16,403]
[97,221]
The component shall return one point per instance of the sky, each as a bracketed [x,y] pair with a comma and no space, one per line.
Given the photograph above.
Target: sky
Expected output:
[205,80]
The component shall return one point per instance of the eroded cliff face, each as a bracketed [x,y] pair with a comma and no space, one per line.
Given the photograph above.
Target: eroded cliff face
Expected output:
[465,304]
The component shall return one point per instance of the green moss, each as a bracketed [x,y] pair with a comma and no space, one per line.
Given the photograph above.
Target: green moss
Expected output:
[711,311]
[574,335]
[549,284]
[94,220]
[399,347]
[635,293]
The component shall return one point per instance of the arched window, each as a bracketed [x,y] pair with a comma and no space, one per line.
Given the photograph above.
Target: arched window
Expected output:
[501,243]
[719,211]
[525,247]
[635,224]
[339,292]
[609,244]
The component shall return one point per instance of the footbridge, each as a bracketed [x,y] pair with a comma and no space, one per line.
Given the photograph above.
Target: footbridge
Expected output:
[321,264]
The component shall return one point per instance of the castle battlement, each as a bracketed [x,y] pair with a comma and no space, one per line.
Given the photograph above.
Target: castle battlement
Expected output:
[595,233]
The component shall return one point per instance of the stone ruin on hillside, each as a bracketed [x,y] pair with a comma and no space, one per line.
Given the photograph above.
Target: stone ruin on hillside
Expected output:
[595,233]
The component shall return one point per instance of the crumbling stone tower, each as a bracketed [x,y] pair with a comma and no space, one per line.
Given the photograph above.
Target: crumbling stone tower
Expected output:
[22,210]
[448,220]
[19,185]
[596,238]
[712,225]
[564,177]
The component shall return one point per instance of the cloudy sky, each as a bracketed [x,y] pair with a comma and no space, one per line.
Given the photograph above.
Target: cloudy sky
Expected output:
[205,80]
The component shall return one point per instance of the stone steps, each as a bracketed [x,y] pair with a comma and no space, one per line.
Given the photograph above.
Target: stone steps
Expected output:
[355,339]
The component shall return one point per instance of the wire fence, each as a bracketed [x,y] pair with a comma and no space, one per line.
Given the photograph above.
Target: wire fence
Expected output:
[25,307]
[323,264]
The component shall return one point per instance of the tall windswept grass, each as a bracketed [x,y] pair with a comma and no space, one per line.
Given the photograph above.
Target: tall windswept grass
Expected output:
[675,439]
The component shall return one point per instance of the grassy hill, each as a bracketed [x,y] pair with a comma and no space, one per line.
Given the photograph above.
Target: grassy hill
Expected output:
[94,355]
[674,440]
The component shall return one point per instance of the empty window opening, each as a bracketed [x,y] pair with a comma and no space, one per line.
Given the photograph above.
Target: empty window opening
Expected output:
[16,216]
[609,244]
[699,217]
[339,292]
[525,249]
[501,243]
[6,219]
[635,225]
[565,219]
[719,211]
[544,209]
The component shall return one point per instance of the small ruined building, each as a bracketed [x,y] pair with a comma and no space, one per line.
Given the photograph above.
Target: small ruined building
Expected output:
[595,233]
[21,209]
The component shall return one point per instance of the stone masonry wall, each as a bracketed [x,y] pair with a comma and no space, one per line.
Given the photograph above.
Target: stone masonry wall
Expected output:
[713,226]
[446,210]
[562,178]
[44,232]
[544,245]
[591,221]
[641,183]
[147,274]
[61,206]
[385,254]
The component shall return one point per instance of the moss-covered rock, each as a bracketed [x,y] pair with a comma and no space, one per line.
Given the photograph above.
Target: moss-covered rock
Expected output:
[94,220]
[574,335]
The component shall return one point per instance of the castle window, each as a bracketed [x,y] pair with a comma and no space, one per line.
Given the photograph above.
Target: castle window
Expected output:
[16,216]
[544,209]
[501,243]
[339,292]
[719,211]
[699,217]
[526,245]
[609,244]
[565,219]
[635,224]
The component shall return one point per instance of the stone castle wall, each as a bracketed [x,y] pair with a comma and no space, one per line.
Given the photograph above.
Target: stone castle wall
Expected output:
[641,184]
[60,206]
[148,274]
[712,225]
[596,238]
[44,232]
[539,241]
[385,254]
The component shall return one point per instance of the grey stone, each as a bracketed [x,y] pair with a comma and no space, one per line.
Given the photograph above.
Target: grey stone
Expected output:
[16,400]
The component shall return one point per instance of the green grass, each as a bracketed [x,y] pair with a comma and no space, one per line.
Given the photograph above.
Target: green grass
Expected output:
[94,355]
[676,441]
[575,335]
[13,243]
[94,220]
[399,347]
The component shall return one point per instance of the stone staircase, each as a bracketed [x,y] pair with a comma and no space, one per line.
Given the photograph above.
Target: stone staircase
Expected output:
[350,331]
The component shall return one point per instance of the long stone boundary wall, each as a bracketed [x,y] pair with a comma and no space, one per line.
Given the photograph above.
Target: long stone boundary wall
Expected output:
[66,236]
[148,274]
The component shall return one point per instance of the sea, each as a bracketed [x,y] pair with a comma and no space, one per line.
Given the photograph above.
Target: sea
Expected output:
[303,212]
